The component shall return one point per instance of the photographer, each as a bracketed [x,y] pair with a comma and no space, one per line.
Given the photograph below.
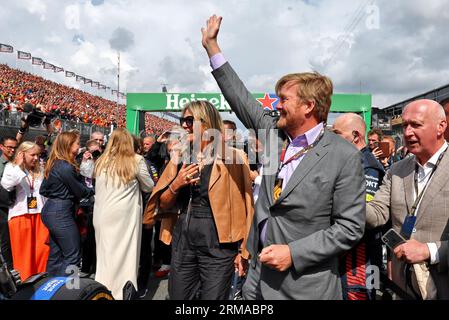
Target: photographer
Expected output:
[34,117]
[85,211]
[92,153]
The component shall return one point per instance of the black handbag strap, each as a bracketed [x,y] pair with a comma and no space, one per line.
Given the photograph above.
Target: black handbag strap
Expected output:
[395,288]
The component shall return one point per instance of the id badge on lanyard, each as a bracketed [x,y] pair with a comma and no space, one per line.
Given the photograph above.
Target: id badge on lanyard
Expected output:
[408,226]
[410,220]
[31,200]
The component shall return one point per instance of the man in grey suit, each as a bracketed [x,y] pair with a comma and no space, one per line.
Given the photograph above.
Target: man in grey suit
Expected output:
[311,207]
[426,173]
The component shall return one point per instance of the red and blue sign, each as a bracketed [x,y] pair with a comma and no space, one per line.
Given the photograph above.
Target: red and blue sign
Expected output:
[269,101]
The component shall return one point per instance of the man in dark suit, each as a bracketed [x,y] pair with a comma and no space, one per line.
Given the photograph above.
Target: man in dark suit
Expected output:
[8,146]
[355,263]
[311,205]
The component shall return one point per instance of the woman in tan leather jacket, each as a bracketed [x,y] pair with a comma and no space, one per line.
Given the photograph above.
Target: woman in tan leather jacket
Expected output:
[204,197]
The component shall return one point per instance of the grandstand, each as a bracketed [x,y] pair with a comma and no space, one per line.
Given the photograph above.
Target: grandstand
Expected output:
[71,105]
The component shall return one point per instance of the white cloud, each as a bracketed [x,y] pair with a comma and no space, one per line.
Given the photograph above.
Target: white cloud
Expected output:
[84,55]
[263,40]
[37,7]
[53,38]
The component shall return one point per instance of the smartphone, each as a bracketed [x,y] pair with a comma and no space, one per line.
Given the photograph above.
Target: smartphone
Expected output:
[96,154]
[385,148]
[392,239]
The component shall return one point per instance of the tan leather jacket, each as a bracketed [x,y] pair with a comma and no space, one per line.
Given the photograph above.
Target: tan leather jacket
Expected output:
[230,196]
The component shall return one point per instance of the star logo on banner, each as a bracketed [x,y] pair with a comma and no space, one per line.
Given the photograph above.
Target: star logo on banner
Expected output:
[267,102]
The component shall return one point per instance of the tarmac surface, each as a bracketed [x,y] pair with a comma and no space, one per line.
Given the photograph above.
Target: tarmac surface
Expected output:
[157,288]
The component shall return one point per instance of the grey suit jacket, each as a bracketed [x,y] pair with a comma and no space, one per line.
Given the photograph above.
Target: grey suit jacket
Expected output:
[395,199]
[321,212]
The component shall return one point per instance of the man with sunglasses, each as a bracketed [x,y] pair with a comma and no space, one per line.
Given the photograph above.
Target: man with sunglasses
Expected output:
[8,146]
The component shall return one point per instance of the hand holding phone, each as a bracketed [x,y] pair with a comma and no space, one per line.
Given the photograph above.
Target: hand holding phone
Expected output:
[384,146]
[392,239]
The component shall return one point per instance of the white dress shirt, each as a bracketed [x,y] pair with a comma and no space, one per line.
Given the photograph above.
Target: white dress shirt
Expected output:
[14,176]
[422,177]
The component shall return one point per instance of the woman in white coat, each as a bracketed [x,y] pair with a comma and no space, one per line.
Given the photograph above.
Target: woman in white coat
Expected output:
[120,175]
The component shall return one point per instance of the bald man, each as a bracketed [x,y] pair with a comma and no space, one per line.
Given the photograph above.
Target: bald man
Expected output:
[352,128]
[424,255]
[445,104]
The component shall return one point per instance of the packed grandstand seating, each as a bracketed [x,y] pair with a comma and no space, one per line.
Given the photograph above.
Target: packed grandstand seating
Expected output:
[18,88]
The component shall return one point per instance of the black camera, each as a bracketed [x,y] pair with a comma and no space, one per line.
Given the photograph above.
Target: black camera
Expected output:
[34,117]
[96,154]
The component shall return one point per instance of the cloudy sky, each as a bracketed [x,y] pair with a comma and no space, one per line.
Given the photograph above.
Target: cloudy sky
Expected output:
[391,49]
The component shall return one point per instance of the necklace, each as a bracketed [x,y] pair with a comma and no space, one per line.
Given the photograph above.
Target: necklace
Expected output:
[204,158]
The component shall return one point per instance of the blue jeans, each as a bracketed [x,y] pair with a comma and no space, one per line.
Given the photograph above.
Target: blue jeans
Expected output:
[58,217]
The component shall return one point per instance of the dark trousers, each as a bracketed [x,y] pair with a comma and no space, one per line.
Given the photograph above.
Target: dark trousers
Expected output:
[58,217]
[89,255]
[145,258]
[201,267]
[162,252]
[5,243]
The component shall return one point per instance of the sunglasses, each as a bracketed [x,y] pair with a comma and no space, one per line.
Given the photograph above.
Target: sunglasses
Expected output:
[187,120]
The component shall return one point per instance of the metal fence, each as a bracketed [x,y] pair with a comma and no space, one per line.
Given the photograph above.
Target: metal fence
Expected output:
[11,120]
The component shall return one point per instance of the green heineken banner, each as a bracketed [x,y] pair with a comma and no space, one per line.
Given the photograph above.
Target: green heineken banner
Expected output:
[172,102]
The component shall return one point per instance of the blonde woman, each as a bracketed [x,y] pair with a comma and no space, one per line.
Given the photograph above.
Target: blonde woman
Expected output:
[211,191]
[120,175]
[28,234]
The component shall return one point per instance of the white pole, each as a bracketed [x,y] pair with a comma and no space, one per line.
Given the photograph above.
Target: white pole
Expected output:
[118,87]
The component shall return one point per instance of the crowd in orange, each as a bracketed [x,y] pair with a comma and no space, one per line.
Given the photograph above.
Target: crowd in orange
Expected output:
[18,88]
[156,125]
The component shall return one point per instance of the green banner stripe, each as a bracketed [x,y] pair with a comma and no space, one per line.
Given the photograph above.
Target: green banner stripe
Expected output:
[175,101]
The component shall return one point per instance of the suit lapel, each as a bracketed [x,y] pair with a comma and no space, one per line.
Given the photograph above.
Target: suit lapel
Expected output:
[437,182]
[409,185]
[270,179]
[309,161]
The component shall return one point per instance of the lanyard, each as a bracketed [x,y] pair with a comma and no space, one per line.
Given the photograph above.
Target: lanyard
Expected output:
[420,195]
[299,153]
[30,183]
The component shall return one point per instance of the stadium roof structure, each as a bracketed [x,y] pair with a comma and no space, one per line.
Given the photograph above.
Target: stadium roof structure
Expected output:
[438,94]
